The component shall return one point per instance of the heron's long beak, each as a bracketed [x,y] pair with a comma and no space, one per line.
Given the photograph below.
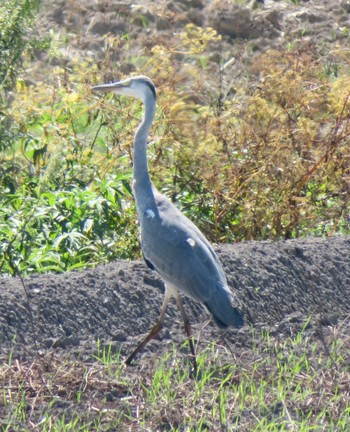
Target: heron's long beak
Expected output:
[108,87]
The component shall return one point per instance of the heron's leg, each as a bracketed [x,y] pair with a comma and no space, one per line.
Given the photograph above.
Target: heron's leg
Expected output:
[155,330]
[188,329]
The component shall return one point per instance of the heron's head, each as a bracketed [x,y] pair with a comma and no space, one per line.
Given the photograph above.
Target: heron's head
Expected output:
[140,87]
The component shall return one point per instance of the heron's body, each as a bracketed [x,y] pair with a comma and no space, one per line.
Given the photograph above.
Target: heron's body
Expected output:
[167,234]
[170,242]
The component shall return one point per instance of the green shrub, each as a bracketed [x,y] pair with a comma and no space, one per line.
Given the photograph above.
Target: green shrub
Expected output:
[267,160]
[65,229]
[62,207]
[16,37]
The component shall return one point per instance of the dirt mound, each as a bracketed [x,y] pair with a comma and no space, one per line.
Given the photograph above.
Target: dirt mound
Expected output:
[281,285]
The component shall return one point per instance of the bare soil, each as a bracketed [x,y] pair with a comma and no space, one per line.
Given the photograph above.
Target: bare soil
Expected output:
[283,287]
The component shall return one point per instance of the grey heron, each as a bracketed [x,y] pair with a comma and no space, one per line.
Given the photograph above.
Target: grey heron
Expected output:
[170,242]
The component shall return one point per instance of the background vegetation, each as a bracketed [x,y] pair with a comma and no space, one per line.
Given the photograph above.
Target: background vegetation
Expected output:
[255,155]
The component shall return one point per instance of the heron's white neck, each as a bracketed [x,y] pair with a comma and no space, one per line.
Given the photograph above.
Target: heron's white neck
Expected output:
[142,181]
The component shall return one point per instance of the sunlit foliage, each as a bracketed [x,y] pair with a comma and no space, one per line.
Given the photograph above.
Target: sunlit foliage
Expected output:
[259,155]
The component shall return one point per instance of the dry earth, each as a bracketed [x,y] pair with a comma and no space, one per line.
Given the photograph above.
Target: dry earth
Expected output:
[281,285]
[247,28]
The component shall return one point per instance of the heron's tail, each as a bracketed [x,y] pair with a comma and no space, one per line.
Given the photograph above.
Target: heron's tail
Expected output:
[224,314]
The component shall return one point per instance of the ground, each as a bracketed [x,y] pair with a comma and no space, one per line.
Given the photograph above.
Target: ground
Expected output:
[281,287]
[295,299]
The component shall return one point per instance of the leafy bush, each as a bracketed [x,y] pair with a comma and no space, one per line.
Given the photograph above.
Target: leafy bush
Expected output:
[269,160]
[16,37]
[62,208]
[64,229]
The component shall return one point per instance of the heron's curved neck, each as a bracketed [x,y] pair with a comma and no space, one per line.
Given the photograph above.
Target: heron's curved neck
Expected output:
[142,181]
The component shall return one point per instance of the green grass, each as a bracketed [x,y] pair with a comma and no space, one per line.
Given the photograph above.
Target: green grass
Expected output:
[276,385]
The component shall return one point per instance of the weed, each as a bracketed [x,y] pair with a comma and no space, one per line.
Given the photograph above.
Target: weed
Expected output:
[280,385]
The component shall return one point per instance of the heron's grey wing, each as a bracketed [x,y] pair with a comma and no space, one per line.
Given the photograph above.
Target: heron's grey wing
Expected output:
[180,252]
